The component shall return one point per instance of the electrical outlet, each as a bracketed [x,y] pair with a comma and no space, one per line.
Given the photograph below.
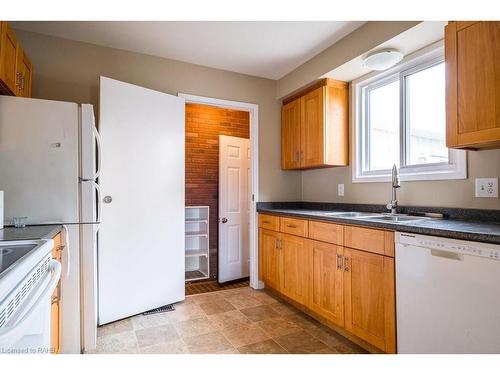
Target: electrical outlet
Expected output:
[487,187]
[340,190]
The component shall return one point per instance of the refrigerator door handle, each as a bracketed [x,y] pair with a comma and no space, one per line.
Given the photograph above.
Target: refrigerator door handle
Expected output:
[97,137]
[99,201]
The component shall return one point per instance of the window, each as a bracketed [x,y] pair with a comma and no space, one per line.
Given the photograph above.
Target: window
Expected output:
[400,119]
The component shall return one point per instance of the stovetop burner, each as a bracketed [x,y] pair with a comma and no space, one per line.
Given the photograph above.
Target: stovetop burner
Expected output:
[10,254]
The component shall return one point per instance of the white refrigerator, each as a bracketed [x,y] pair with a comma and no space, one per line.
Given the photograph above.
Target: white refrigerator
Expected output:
[48,172]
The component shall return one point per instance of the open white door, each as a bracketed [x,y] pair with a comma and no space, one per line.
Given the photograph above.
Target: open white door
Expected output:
[141,238]
[234,208]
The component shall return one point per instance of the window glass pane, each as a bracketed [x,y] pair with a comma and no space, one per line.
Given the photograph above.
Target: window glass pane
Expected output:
[383,127]
[425,116]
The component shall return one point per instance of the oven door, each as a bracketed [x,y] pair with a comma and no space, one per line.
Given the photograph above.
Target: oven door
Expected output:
[28,331]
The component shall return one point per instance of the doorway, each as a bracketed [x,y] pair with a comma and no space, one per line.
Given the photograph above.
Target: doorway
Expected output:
[206,120]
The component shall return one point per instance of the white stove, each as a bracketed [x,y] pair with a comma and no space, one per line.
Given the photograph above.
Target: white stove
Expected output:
[28,277]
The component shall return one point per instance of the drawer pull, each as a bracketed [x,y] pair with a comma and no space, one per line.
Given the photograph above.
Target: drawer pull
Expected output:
[266,222]
[291,226]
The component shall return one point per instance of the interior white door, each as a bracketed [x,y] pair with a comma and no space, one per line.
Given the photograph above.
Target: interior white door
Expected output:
[141,237]
[234,208]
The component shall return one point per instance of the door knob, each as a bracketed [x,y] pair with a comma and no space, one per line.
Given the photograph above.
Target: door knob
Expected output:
[224,220]
[108,199]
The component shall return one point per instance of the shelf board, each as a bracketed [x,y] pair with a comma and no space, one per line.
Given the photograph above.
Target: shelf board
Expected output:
[193,275]
[196,253]
[196,234]
[195,221]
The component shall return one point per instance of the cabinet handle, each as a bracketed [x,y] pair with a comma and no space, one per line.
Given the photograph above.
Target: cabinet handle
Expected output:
[54,300]
[291,226]
[18,80]
[278,244]
[339,262]
[346,264]
[22,82]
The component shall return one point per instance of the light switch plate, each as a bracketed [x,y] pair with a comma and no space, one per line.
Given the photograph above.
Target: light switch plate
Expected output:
[487,187]
[340,190]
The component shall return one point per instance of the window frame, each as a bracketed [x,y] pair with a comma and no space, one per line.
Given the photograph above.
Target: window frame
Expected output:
[455,168]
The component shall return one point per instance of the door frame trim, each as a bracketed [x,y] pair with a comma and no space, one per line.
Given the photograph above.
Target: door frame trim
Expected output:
[253,110]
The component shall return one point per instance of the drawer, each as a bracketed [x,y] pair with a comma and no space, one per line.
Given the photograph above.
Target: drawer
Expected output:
[326,232]
[372,240]
[269,222]
[290,225]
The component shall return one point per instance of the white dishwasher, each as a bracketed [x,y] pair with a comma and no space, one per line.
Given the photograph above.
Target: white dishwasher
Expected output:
[447,295]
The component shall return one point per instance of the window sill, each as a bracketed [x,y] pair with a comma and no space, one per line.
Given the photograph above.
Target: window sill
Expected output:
[385,176]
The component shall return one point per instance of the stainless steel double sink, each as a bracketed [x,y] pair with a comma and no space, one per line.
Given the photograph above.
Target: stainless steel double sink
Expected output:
[376,217]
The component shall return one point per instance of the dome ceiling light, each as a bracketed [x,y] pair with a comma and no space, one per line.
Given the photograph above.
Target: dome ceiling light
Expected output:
[382,59]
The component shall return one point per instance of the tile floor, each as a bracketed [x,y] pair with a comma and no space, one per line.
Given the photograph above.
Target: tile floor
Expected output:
[239,320]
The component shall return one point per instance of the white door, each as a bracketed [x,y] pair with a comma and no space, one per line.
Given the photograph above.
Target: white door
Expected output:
[234,208]
[141,237]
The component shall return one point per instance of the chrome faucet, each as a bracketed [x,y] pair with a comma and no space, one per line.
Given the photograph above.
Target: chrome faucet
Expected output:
[393,205]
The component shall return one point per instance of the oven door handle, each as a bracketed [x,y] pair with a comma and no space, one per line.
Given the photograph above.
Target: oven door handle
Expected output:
[14,329]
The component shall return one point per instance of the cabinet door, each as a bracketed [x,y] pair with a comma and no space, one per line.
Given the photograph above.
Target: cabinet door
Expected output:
[313,132]
[295,271]
[327,281]
[290,135]
[24,71]
[270,259]
[8,56]
[472,54]
[55,322]
[55,308]
[369,298]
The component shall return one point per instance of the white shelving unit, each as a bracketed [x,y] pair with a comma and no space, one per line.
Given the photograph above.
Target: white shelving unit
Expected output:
[197,243]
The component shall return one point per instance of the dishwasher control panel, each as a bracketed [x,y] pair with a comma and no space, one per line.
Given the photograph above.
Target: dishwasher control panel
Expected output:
[480,249]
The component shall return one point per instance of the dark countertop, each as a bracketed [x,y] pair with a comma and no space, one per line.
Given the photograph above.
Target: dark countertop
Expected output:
[470,230]
[32,232]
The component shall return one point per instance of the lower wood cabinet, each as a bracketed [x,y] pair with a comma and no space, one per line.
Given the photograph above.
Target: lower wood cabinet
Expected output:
[327,281]
[369,299]
[55,308]
[354,289]
[295,268]
[270,259]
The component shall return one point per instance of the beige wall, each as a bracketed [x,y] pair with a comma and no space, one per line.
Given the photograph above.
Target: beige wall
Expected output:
[321,185]
[69,71]
[368,36]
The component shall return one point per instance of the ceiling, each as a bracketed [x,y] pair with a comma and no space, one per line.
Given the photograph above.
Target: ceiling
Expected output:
[260,48]
[418,37]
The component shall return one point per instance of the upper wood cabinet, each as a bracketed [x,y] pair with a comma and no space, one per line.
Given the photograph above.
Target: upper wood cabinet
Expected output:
[315,127]
[290,135]
[24,72]
[8,58]
[472,57]
[15,67]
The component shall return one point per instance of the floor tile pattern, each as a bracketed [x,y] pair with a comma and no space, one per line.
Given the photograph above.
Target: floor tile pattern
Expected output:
[239,320]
